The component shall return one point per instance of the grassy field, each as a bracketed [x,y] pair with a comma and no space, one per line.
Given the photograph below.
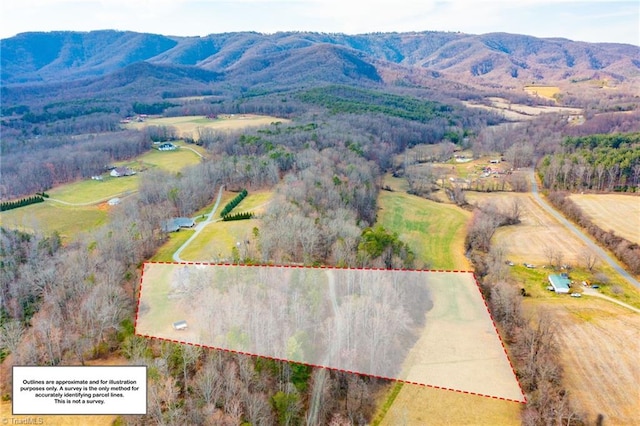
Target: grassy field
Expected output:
[618,212]
[216,241]
[48,217]
[547,92]
[92,191]
[188,125]
[415,405]
[434,231]
[171,161]
[176,239]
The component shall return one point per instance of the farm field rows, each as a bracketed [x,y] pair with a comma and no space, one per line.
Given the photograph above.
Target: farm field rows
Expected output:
[537,232]
[618,212]
[599,344]
[188,126]
[598,338]
[519,112]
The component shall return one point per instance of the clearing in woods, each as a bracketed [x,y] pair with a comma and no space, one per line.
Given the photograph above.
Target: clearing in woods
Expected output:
[188,126]
[48,217]
[617,212]
[83,203]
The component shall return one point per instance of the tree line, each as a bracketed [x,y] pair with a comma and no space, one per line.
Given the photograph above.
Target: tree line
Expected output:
[234,202]
[596,162]
[9,205]
[625,250]
[533,347]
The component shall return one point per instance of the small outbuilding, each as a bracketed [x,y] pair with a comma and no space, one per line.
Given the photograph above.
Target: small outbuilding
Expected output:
[122,171]
[560,283]
[180,325]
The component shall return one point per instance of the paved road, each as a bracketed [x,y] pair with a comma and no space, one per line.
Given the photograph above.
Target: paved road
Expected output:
[199,227]
[578,233]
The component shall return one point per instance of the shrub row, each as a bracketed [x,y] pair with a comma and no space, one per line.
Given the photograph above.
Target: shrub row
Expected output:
[9,205]
[233,203]
[238,216]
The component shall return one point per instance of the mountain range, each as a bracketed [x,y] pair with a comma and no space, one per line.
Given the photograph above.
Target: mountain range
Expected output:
[110,59]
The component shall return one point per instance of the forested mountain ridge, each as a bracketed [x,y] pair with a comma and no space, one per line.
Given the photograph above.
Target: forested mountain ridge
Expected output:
[488,59]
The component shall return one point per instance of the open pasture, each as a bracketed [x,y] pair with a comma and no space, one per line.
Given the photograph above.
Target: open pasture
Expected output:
[434,231]
[188,126]
[617,212]
[170,161]
[89,191]
[48,217]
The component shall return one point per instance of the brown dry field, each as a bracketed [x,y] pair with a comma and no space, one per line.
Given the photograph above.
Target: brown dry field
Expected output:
[519,112]
[187,126]
[527,241]
[618,212]
[416,405]
[599,343]
[547,92]
[459,347]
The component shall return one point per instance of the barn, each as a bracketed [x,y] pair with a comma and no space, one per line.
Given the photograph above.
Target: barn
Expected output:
[560,283]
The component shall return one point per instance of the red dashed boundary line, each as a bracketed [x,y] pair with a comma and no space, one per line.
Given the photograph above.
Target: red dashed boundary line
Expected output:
[523,401]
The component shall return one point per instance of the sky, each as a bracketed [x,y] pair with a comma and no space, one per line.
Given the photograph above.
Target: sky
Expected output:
[583,20]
